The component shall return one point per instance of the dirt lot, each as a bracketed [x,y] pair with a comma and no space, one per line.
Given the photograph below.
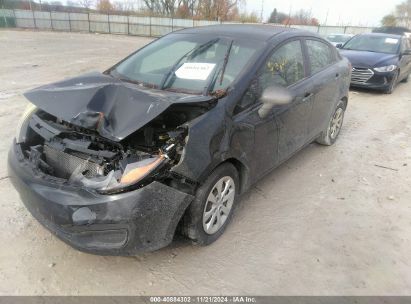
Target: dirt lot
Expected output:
[329,221]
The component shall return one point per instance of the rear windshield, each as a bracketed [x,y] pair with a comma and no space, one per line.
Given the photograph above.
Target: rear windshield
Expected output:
[188,63]
[379,44]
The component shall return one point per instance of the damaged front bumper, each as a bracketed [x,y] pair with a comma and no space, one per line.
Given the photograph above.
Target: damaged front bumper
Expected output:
[122,224]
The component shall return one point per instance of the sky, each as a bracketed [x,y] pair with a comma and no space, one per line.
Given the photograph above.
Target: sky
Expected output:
[347,12]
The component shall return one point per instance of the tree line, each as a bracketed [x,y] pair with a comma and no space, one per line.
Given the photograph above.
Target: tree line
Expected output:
[216,10]
[301,17]
[401,16]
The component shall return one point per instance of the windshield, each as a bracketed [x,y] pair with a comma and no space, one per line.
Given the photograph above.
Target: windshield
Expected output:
[188,63]
[338,38]
[379,44]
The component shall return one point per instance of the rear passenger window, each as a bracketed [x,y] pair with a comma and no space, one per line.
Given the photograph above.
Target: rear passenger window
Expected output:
[320,54]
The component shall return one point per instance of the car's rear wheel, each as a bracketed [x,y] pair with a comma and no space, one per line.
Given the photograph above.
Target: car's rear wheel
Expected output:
[330,135]
[393,84]
[212,208]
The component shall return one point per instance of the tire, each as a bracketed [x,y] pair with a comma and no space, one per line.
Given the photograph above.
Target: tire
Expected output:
[405,80]
[393,84]
[194,224]
[329,136]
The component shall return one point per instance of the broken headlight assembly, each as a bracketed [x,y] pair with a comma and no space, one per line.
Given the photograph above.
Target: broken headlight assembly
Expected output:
[23,123]
[132,176]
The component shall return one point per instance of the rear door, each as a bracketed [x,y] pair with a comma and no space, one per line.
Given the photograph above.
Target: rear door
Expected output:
[325,77]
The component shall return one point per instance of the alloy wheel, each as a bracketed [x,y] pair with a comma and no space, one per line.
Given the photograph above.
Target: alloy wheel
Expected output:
[218,205]
[336,123]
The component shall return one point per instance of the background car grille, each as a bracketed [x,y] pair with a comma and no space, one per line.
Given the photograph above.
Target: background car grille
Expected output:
[361,75]
[64,164]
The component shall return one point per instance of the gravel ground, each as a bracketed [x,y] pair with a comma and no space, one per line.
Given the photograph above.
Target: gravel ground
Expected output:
[327,222]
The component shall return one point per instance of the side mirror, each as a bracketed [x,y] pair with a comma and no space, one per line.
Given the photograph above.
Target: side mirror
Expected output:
[273,96]
[407,52]
[339,45]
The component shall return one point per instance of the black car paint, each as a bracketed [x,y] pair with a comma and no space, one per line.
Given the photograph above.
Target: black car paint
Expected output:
[372,60]
[253,144]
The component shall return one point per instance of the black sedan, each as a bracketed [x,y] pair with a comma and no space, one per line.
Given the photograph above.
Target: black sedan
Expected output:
[114,163]
[380,61]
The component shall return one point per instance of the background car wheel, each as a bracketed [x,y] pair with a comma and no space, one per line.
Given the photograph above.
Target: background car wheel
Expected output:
[212,208]
[329,136]
[405,80]
[393,84]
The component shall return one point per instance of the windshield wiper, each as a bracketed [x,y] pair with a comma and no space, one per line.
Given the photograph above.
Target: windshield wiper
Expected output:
[227,55]
[213,79]
[195,51]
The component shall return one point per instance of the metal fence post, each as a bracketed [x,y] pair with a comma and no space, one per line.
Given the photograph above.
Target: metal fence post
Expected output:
[15,19]
[108,20]
[150,26]
[51,21]
[5,21]
[69,21]
[88,19]
[128,24]
[172,23]
[34,19]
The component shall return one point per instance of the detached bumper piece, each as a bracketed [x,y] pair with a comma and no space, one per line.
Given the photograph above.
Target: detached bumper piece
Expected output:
[122,224]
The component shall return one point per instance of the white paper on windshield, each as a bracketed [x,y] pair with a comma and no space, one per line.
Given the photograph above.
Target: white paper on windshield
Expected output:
[391,40]
[195,70]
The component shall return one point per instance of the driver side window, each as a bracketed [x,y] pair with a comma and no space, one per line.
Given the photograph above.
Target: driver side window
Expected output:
[283,68]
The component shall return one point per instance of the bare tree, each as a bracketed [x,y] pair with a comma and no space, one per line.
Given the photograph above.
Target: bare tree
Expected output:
[86,3]
[389,20]
[403,13]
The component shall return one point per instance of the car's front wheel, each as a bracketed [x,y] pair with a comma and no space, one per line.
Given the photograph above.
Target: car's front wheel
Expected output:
[393,84]
[212,208]
[329,136]
[406,79]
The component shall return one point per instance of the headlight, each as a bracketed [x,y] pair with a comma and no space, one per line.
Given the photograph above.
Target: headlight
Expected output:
[24,122]
[133,173]
[137,171]
[388,68]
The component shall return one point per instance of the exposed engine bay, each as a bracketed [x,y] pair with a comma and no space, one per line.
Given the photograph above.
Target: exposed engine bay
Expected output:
[81,157]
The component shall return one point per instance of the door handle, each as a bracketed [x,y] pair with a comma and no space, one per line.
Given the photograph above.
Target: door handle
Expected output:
[307,97]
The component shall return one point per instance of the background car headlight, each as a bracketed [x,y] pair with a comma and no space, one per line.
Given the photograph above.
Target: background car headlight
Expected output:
[24,122]
[388,68]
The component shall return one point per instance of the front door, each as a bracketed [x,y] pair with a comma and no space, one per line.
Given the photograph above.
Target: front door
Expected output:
[286,67]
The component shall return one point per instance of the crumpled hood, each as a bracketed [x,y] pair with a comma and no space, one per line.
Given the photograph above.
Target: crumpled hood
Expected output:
[363,59]
[115,109]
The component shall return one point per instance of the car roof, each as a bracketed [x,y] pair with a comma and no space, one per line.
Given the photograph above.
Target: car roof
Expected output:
[382,35]
[255,31]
